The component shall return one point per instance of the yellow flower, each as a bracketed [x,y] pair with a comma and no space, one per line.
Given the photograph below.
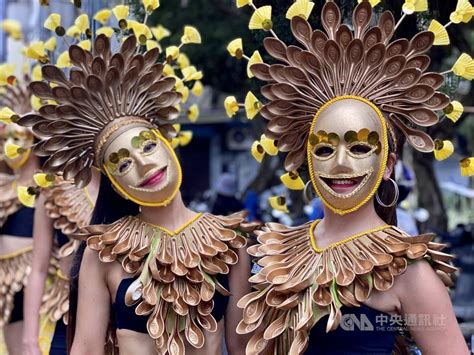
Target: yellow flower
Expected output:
[121,13]
[467,166]
[255,58]
[235,48]
[50,44]
[141,32]
[102,16]
[443,149]
[292,180]
[35,102]
[183,61]
[174,142]
[82,22]
[464,67]
[37,51]
[197,88]
[278,203]
[241,3]
[184,91]
[454,110]
[53,23]
[43,179]
[7,115]
[261,19]
[373,3]
[172,53]
[191,73]
[150,44]
[36,73]
[185,137]
[268,145]
[177,127]
[25,197]
[412,6]
[12,151]
[441,35]
[231,106]
[257,151]
[300,8]
[63,60]
[463,13]
[252,105]
[191,35]
[159,32]
[179,85]
[108,31]
[168,70]
[193,113]
[7,75]
[73,31]
[150,5]
[86,44]
[13,28]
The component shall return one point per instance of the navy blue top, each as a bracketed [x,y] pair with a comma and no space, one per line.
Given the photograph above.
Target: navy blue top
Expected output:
[125,317]
[19,224]
[363,330]
[61,238]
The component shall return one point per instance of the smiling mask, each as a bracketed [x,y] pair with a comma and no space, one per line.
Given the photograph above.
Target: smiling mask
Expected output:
[347,153]
[142,166]
[118,119]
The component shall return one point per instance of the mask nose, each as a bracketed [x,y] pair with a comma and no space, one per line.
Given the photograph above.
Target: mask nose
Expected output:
[144,165]
[342,164]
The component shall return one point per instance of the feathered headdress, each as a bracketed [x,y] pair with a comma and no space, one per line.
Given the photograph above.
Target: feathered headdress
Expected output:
[103,93]
[344,60]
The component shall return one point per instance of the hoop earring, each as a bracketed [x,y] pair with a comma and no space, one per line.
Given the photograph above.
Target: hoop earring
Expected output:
[307,198]
[395,198]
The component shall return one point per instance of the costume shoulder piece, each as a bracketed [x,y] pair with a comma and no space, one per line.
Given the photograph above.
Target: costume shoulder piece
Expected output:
[177,271]
[300,283]
[9,202]
[14,271]
[70,208]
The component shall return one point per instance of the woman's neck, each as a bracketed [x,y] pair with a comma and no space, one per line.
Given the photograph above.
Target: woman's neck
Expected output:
[334,227]
[172,216]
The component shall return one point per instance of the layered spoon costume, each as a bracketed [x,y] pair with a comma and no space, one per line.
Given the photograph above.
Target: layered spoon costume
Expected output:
[15,222]
[115,112]
[332,102]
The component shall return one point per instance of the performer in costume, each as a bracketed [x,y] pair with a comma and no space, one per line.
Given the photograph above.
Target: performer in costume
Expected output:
[170,273]
[61,210]
[337,101]
[16,222]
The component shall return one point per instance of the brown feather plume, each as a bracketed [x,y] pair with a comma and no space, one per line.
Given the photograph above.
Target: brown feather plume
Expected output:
[101,88]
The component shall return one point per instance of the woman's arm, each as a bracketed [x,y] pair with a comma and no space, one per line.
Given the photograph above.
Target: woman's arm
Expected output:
[239,287]
[43,234]
[93,306]
[424,298]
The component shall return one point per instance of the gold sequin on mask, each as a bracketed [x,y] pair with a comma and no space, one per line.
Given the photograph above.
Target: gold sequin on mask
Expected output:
[138,142]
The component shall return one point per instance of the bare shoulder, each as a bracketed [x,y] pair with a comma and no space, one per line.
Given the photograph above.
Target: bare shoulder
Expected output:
[91,262]
[418,273]
[417,282]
